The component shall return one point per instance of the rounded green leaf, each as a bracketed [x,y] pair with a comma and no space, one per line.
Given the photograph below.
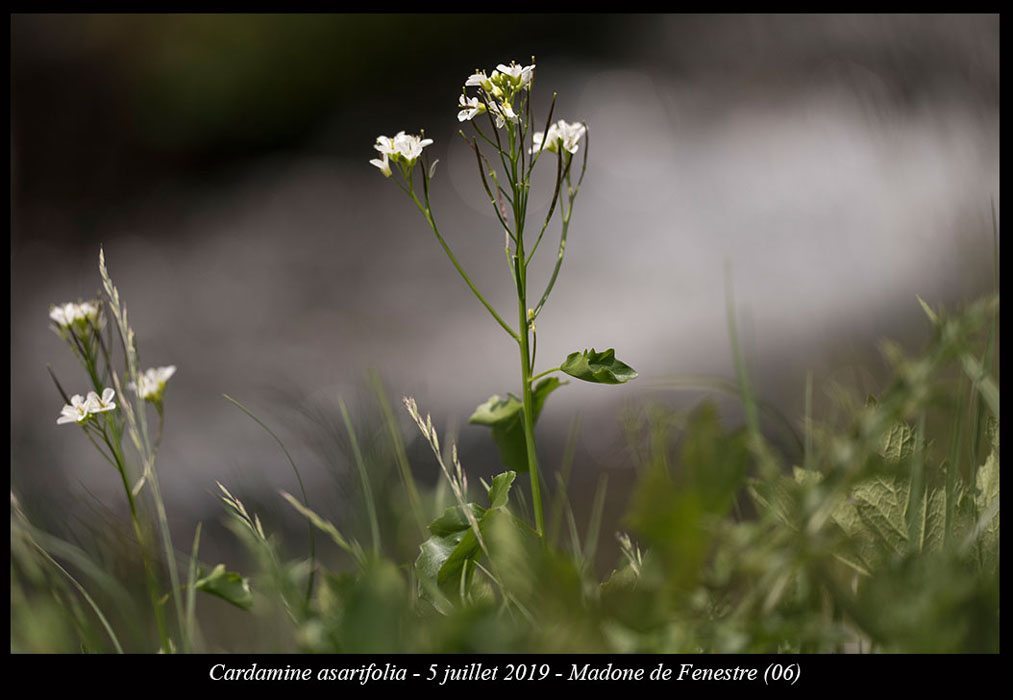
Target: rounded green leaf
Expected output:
[598,367]
[506,418]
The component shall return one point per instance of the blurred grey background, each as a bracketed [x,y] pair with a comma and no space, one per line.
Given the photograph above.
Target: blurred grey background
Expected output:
[832,167]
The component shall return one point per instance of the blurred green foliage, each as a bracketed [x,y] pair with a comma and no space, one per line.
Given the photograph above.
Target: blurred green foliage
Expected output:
[885,539]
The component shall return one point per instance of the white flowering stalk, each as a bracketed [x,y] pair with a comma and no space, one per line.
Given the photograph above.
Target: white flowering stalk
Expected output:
[75,316]
[504,97]
[80,325]
[107,421]
[403,150]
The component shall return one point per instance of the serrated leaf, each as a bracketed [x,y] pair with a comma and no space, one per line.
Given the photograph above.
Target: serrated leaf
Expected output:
[898,443]
[775,496]
[598,367]
[506,418]
[986,500]
[934,520]
[499,492]
[227,585]
[874,517]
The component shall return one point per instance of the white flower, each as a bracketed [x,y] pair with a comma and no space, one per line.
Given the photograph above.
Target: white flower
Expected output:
[385,144]
[478,79]
[402,148]
[99,404]
[520,76]
[151,384]
[409,147]
[504,112]
[69,314]
[560,132]
[76,412]
[384,165]
[470,107]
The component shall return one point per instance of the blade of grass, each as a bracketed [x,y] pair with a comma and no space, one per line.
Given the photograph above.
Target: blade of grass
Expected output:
[191,593]
[327,527]
[367,492]
[400,455]
[757,444]
[562,481]
[302,490]
[594,520]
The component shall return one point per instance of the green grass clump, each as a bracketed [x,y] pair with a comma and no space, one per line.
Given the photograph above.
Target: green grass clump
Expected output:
[883,537]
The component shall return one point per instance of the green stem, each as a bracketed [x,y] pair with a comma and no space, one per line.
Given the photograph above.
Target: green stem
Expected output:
[542,374]
[446,249]
[142,541]
[529,422]
[523,341]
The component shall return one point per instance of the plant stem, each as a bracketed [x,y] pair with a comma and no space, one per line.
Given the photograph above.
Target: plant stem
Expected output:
[446,249]
[142,541]
[524,339]
[542,374]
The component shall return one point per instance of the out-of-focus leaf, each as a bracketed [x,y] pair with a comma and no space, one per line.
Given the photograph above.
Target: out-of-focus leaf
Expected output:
[499,492]
[675,516]
[898,443]
[449,552]
[454,520]
[986,500]
[496,411]
[873,516]
[227,585]
[934,602]
[598,367]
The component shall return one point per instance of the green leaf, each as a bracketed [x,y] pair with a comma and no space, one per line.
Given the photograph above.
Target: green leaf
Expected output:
[986,500]
[875,515]
[496,411]
[506,418]
[598,367]
[460,564]
[227,585]
[449,552]
[499,492]
[899,443]
[676,515]
[454,520]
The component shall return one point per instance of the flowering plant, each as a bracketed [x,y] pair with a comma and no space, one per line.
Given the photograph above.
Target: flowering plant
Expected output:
[505,98]
[107,417]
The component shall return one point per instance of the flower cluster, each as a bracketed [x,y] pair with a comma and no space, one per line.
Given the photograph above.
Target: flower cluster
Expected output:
[403,149]
[559,134]
[151,384]
[497,92]
[69,315]
[81,409]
